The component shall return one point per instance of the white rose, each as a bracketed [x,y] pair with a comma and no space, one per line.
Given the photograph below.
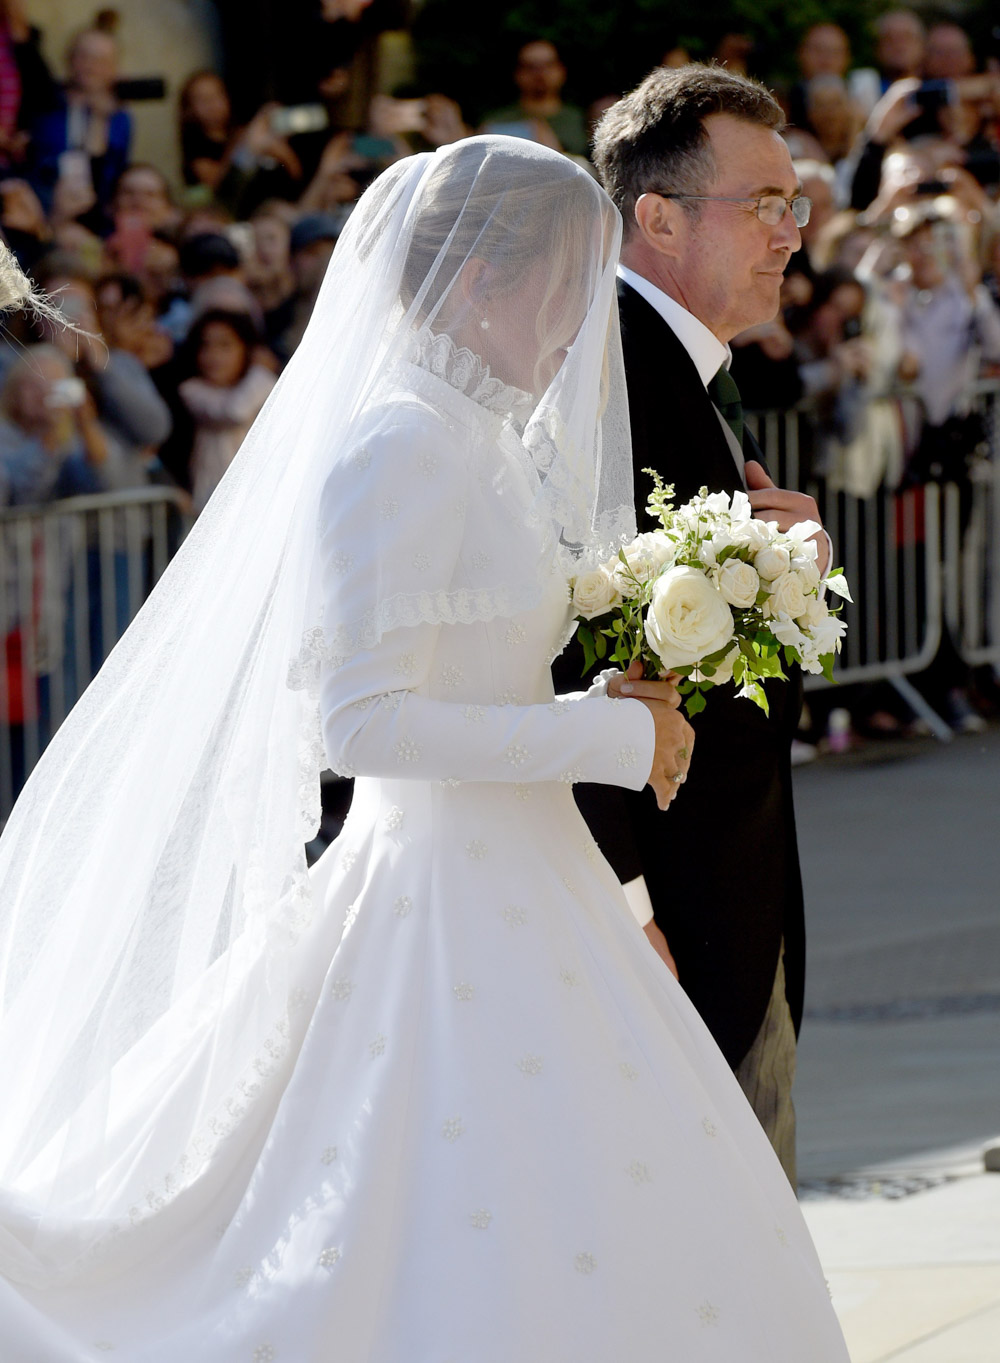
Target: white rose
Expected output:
[787,596]
[687,618]
[738,583]
[645,556]
[594,593]
[772,561]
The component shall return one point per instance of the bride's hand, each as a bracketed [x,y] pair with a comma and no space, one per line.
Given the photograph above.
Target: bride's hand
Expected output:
[674,735]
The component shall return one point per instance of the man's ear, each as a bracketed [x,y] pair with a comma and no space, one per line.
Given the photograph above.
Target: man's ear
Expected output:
[659,224]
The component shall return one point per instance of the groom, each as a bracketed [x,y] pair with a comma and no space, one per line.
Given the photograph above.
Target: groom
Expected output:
[705,184]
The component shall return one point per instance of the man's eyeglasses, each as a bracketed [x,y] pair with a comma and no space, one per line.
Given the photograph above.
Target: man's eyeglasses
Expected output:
[770,208]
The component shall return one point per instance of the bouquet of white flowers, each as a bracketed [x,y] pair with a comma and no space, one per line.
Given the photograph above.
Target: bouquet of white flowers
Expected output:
[714,595]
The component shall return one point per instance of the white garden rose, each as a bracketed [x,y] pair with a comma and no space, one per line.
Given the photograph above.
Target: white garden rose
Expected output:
[594,593]
[645,556]
[772,561]
[787,595]
[738,582]
[687,619]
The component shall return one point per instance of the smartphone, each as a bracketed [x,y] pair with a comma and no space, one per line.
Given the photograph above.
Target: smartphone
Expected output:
[299,118]
[66,393]
[143,87]
[935,95]
[74,170]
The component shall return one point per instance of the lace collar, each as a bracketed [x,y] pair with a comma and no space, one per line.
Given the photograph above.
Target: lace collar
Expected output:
[464,371]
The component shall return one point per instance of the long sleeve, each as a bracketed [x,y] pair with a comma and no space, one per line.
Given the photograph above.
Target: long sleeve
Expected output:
[397,520]
[375,723]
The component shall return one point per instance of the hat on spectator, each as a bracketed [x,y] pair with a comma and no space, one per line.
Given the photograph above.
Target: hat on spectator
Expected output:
[312,228]
[206,252]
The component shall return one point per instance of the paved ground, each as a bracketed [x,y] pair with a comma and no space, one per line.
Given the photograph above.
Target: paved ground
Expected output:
[899,1064]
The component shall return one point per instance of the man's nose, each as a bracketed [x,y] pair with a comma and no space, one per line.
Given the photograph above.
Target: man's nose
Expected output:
[787,233]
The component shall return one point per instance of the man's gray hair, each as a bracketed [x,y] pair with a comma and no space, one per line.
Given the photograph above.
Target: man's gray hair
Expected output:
[655,138]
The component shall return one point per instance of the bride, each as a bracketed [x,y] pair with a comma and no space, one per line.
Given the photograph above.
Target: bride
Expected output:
[435,1100]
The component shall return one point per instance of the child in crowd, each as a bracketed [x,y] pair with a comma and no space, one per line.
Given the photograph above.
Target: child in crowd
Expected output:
[224,395]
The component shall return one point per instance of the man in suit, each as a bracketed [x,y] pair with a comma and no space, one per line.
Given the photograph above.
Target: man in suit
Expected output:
[711,203]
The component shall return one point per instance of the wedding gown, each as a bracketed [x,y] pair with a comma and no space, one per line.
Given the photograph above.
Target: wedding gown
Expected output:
[503,1133]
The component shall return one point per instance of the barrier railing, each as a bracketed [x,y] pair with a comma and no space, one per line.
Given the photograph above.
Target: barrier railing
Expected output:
[73,574]
[919,561]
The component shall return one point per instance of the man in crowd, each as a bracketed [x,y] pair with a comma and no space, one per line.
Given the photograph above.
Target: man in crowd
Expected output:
[694,160]
[540,76]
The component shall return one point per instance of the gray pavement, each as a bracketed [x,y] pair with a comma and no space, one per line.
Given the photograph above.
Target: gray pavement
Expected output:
[899,1061]
[900,1049]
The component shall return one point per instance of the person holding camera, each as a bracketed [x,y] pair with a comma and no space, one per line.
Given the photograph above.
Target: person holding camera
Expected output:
[79,149]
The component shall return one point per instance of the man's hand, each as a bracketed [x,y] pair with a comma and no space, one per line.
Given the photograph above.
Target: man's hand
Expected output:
[674,735]
[659,944]
[772,503]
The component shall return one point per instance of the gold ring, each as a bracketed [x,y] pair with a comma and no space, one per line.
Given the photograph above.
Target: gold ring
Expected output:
[678,778]
[682,754]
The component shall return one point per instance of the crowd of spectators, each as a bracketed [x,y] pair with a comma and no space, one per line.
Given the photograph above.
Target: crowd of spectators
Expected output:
[192,297]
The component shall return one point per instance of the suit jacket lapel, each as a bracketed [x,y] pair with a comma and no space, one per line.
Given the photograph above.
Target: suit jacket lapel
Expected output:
[676,427]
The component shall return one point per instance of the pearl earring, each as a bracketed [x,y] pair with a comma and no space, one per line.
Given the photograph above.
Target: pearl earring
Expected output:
[484,324]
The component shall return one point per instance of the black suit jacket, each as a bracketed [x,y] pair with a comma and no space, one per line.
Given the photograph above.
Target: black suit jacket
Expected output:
[722,863]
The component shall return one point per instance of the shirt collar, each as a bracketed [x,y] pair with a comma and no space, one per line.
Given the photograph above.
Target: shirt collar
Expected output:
[706,350]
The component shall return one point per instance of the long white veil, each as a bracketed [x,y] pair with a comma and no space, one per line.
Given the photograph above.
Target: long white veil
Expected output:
[154,895]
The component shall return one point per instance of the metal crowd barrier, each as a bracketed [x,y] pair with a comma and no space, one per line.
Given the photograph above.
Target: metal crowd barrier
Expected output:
[73,574]
[919,561]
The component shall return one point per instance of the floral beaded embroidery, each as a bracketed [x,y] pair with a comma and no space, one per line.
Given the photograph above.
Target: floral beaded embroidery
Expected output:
[406,751]
[585,1263]
[515,916]
[329,1155]
[402,906]
[516,634]
[628,1071]
[708,1314]
[328,1258]
[421,561]
[452,1128]
[377,1046]
[452,675]
[639,1172]
[464,992]
[477,850]
[516,754]
[392,819]
[530,1064]
[389,509]
[709,1126]
[474,714]
[627,756]
[342,989]
[481,1219]
[243,1277]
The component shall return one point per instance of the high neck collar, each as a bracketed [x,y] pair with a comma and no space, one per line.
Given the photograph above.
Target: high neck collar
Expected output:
[463,370]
